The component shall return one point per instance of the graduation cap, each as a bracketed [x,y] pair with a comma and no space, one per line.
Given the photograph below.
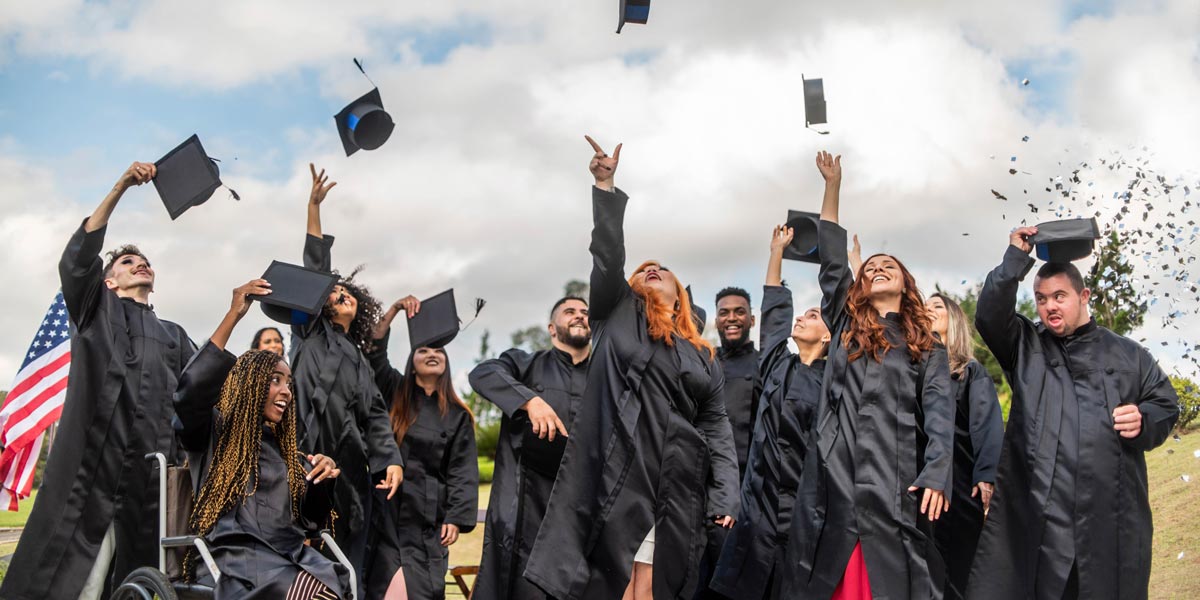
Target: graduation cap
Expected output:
[1065,241]
[804,237]
[187,177]
[814,103]
[437,323]
[698,312]
[633,11]
[297,294]
[363,124]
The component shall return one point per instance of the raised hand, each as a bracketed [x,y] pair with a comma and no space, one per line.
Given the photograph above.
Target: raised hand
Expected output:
[1020,238]
[319,186]
[855,256]
[830,166]
[780,238]
[242,293]
[602,166]
[137,174]
[409,304]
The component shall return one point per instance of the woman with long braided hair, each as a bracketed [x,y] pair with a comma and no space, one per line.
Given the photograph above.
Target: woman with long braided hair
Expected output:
[878,477]
[257,498]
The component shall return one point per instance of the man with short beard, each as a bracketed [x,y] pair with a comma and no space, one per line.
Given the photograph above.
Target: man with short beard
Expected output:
[539,394]
[739,361]
[1071,516]
[94,520]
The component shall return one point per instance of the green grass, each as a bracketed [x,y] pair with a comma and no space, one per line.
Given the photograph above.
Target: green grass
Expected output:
[1176,526]
[17,519]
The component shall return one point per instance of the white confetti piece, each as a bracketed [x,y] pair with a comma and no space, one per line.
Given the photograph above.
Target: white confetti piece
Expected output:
[1186,478]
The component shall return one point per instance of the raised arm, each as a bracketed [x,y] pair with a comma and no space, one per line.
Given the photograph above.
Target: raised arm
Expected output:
[387,377]
[137,174]
[996,317]
[316,244]
[608,284]
[835,276]
[500,380]
[775,329]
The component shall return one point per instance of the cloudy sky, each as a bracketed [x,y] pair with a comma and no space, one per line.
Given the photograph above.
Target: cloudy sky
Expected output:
[483,185]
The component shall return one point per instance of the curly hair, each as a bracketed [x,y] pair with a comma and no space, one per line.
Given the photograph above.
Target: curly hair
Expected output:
[235,458]
[662,321]
[864,333]
[370,311]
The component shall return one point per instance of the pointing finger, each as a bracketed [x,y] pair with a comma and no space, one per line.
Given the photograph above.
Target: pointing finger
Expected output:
[617,152]
[595,146]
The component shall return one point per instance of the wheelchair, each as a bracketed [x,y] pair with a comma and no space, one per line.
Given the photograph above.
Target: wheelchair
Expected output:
[149,583]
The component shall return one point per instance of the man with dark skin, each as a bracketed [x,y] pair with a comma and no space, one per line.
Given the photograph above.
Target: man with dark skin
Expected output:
[90,526]
[1070,517]
[739,361]
[539,394]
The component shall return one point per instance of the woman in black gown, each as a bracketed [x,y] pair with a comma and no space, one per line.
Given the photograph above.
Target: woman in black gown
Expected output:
[752,560]
[440,496]
[255,500]
[978,436]
[650,459]
[877,479]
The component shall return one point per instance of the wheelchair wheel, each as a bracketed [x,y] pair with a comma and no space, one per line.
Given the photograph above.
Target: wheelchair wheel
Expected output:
[145,583]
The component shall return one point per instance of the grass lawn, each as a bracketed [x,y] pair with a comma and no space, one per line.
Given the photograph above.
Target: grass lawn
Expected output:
[17,519]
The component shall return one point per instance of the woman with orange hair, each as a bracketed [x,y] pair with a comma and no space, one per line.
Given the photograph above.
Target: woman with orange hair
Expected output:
[863,521]
[650,461]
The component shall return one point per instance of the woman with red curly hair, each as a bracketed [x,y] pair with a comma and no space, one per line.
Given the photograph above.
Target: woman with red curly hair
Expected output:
[863,521]
[650,461]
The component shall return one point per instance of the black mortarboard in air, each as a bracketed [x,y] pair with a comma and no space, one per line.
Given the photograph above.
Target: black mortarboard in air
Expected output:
[437,323]
[697,311]
[814,103]
[633,11]
[187,177]
[363,124]
[297,294]
[1065,241]
[804,237]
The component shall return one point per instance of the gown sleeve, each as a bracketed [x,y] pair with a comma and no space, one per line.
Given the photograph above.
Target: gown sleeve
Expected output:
[776,328]
[996,317]
[197,394]
[80,271]
[835,276]
[387,377]
[381,439]
[608,284]
[986,422]
[713,423]
[318,257]
[1158,403]
[462,477]
[499,380]
[937,412]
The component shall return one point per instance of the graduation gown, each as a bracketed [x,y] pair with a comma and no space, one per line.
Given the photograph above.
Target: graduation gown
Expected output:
[441,486]
[651,446]
[882,427]
[1070,491]
[525,465]
[978,435]
[125,363]
[341,413]
[259,545]
[751,564]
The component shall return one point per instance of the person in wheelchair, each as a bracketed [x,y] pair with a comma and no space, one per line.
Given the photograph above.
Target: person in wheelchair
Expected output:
[257,497]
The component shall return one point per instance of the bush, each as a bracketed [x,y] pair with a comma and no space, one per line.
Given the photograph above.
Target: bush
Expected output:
[487,437]
[487,470]
[1189,401]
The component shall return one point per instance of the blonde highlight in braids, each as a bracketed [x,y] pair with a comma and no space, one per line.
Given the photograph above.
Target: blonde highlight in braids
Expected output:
[233,473]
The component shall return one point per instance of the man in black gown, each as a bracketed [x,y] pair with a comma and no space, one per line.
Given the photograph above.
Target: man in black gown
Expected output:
[539,394]
[93,521]
[739,361]
[1071,516]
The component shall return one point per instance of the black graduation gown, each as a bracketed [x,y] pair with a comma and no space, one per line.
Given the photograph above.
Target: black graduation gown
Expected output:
[751,564]
[1069,488]
[525,465]
[881,427]
[441,485]
[341,413]
[742,390]
[978,435]
[259,546]
[651,446]
[125,363]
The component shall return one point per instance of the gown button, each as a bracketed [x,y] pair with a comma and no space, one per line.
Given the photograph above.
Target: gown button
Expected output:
[1109,370]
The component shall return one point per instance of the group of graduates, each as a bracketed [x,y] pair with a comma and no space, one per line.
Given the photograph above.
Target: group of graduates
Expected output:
[635,459]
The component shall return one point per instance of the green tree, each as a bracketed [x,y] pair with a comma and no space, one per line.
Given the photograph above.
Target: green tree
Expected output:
[1189,401]
[1115,303]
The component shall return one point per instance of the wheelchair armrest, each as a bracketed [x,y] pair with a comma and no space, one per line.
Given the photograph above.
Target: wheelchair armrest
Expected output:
[179,541]
[341,557]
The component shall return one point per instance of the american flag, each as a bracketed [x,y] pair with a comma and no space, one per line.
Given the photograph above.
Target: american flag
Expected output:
[34,403]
